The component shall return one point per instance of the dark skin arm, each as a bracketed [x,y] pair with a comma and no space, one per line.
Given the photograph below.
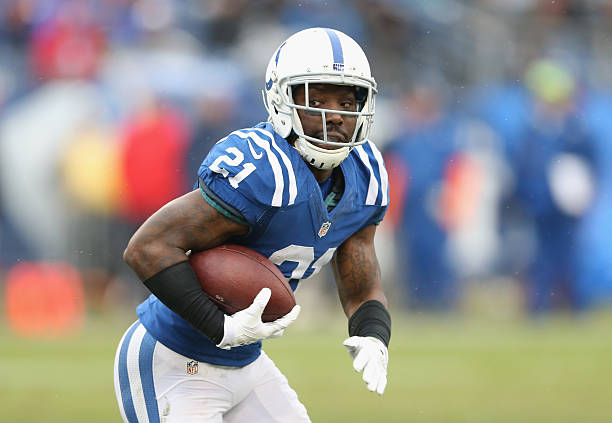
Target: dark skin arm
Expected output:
[357,271]
[186,223]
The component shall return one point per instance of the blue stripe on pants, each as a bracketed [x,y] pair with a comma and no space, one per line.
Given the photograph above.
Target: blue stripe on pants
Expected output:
[124,381]
[145,362]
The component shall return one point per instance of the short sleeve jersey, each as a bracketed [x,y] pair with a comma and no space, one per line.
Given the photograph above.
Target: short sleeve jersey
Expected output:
[256,174]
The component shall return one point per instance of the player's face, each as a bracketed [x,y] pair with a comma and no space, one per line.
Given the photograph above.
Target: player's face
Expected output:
[340,127]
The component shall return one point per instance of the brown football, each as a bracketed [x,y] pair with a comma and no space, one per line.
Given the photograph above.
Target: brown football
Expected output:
[232,275]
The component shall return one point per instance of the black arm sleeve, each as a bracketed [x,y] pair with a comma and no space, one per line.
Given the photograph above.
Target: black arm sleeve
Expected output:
[371,319]
[178,288]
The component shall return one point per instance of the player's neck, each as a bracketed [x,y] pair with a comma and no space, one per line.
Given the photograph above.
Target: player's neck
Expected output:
[320,174]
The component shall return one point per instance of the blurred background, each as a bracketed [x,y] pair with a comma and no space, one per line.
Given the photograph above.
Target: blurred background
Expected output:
[495,120]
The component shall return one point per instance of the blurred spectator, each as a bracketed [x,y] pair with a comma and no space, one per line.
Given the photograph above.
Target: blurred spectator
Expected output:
[34,135]
[69,45]
[594,283]
[421,161]
[554,162]
[154,141]
[476,182]
[91,179]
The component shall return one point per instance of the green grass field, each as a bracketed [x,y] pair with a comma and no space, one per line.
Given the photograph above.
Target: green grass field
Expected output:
[442,369]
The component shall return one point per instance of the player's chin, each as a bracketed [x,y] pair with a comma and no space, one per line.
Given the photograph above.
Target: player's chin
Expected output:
[331,147]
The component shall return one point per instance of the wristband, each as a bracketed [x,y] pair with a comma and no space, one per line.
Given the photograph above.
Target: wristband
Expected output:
[371,319]
[177,286]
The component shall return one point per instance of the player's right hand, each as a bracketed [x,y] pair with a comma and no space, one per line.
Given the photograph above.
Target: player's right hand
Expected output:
[245,327]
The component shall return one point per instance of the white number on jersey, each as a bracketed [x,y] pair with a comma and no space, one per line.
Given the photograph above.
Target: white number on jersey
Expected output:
[247,168]
[304,257]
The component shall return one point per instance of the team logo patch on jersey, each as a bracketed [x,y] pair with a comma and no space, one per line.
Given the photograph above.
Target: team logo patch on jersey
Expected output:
[338,67]
[192,367]
[324,228]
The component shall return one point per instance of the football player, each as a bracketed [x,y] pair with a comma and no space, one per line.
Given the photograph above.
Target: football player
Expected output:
[184,361]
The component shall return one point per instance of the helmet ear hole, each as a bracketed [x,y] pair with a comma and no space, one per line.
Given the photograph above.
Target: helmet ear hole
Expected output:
[276,98]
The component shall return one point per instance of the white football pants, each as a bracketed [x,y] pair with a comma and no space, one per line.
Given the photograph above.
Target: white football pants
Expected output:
[154,384]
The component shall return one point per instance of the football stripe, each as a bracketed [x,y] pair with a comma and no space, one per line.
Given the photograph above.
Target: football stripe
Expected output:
[384,177]
[124,382]
[288,165]
[373,185]
[277,198]
[145,362]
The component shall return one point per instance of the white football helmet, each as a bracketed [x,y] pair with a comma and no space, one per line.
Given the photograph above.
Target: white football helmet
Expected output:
[318,56]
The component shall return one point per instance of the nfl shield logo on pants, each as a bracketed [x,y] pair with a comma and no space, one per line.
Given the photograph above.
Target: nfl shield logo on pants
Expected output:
[192,367]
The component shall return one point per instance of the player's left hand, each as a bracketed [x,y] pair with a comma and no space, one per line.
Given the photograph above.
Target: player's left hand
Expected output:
[370,355]
[246,327]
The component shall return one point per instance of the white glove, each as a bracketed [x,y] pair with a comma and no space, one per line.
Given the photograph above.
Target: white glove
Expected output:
[370,355]
[245,326]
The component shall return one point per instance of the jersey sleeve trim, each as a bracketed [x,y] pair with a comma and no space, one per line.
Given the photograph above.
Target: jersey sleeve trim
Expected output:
[374,187]
[373,184]
[220,205]
[384,177]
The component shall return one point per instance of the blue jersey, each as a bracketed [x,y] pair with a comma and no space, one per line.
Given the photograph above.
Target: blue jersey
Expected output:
[255,174]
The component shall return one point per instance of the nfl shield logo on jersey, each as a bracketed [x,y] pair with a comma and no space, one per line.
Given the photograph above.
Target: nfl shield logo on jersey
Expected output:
[192,367]
[324,228]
